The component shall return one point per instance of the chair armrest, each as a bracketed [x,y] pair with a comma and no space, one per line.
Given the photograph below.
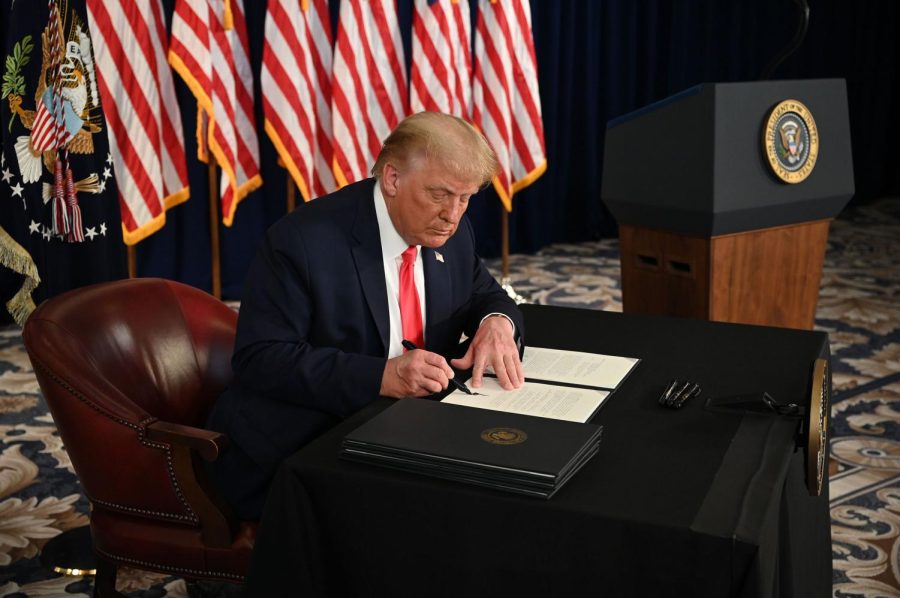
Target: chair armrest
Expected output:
[207,443]
[188,445]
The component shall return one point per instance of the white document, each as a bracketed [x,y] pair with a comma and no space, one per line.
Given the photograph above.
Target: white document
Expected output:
[595,375]
[574,367]
[533,398]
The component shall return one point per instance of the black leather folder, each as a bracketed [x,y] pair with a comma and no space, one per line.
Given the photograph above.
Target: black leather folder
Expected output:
[528,455]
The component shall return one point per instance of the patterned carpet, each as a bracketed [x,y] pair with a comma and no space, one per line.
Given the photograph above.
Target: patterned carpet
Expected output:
[859,307]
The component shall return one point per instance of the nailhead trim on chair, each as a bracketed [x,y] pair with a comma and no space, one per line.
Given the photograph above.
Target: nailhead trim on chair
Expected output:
[191,516]
[118,507]
[169,568]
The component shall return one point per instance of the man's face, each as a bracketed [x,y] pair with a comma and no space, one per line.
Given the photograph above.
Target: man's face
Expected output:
[425,203]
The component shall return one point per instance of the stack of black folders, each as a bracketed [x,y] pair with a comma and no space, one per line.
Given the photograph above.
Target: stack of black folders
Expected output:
[517,453]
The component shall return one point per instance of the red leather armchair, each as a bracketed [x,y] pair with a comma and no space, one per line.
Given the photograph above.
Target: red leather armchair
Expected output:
[130,370]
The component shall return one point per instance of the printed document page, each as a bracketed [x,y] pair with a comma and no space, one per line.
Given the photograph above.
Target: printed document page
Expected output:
[574,367]
[533,398]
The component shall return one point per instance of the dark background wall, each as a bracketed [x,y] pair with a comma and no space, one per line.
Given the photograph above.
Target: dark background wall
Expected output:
[597,59]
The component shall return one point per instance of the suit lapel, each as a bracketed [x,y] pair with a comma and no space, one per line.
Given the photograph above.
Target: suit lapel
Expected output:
[437,298]
[370,265]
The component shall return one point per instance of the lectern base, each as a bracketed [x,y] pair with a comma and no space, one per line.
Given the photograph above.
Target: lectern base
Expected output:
[769,276]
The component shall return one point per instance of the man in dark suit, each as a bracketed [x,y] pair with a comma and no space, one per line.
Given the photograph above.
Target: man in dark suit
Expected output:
[322,321]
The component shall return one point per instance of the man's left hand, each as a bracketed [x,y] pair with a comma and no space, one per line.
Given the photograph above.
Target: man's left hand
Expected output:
[495,346]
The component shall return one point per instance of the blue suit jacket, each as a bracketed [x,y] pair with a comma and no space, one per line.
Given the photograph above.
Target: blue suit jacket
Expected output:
[313,329]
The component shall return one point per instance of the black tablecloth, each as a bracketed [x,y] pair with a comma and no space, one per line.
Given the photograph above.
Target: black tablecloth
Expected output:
[677,503]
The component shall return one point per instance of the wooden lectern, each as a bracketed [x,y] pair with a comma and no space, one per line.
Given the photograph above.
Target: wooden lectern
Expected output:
[707,227]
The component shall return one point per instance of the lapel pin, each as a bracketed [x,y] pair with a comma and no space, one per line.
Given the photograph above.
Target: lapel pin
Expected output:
[439,257]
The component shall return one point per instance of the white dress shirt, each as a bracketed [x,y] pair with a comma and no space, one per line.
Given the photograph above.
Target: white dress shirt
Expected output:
[392,248]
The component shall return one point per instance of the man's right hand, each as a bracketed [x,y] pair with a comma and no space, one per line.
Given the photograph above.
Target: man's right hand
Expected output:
[416,373]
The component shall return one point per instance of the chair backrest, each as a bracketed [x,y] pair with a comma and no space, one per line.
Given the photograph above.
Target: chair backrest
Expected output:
[112,358]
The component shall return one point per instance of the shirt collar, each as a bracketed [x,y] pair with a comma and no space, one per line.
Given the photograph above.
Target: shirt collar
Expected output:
[392,244]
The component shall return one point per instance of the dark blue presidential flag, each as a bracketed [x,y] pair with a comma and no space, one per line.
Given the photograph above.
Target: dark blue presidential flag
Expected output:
[60,225]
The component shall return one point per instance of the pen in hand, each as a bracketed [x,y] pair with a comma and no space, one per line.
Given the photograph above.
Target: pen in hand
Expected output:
[411,346]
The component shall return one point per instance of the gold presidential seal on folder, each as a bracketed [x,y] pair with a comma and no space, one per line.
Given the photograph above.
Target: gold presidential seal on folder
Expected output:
[817,427]
[504,436]
[791,141]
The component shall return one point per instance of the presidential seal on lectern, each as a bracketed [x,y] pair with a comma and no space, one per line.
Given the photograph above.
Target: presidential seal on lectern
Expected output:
[791,141]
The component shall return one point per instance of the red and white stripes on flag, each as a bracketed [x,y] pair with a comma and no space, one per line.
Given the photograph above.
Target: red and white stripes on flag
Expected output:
[48,132]
[441,71]
[506,103]
[209,49]
[368,85]
[146,143]
[296,83]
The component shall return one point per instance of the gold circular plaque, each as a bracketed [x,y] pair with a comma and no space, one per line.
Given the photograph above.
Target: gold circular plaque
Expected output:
[791,141]
[504,436]
[817,427]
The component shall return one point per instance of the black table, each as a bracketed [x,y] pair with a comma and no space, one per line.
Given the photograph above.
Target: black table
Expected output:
[677,503]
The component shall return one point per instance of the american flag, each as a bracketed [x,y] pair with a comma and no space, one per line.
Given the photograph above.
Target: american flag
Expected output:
[368,87]
[506,103]
[48,133]
[296,77]
[209,49]
[146,141]
[441,71]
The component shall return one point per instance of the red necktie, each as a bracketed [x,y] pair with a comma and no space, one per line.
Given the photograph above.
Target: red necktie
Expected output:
[410,313]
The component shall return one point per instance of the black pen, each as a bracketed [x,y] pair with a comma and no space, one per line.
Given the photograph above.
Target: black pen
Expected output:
[411,346]
[693,392]
[679,395]
[666,396]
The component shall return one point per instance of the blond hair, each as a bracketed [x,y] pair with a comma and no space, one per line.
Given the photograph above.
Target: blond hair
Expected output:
[450,141]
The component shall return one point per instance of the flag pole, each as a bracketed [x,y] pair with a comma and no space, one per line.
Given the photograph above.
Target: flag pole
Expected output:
[214,227]
[505,282]
[291,195]
[132,262]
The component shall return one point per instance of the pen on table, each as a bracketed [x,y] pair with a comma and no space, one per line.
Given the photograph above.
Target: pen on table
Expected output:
[667,394]
[693,392]
[679,394]
[411,346]
[673,393]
